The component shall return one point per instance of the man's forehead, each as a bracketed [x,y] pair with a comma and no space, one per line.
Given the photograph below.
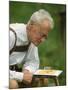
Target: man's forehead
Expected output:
[45,26]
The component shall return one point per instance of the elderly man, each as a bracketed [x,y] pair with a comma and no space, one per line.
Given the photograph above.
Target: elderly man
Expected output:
[27,36]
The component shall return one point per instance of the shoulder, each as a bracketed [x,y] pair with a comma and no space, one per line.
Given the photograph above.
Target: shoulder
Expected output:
[17,26]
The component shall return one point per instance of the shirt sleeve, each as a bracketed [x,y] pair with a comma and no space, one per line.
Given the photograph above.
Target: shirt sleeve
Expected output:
[16,75]
[32,59]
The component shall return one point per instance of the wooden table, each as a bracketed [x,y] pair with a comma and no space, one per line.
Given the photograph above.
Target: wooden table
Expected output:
[42,74]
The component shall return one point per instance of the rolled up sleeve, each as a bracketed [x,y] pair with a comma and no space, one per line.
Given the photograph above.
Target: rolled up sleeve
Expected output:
[32,59]
[16,75]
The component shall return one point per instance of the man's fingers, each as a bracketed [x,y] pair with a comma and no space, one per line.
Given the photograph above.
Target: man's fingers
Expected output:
[27,76]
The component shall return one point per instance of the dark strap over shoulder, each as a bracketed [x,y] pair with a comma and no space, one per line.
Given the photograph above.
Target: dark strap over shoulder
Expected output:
[21,48]
[18,48]
[15,40]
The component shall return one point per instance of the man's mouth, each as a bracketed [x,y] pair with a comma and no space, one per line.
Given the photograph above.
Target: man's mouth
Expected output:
[39,41]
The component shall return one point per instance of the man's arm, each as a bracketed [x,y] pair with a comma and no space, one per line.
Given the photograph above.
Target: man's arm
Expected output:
[31,63]
[32,59]
[16,75]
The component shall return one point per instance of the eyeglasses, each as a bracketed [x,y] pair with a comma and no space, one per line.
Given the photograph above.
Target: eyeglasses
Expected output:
[43,35]
[40,32]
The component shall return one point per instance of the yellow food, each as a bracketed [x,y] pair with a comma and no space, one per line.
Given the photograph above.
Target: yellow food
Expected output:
[46,72]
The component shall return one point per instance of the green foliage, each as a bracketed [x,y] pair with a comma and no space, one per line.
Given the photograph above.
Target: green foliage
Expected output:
[52,51]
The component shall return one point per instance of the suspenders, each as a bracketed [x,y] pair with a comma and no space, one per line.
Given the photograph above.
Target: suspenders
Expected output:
[15,40]
[18,48]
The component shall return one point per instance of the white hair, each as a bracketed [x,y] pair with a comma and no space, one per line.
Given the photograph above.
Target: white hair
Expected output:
[41,15]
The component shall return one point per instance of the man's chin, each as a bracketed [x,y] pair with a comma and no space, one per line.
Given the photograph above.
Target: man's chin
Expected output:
[36,44]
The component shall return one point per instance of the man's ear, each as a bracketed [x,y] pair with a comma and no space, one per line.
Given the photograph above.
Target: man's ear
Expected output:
[30,26]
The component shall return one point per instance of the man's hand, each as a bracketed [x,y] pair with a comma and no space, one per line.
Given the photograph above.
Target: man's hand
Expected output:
[27,77]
